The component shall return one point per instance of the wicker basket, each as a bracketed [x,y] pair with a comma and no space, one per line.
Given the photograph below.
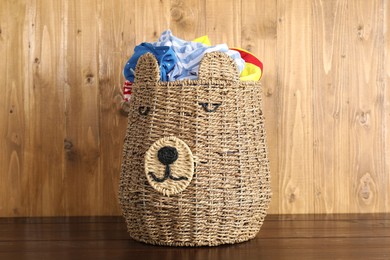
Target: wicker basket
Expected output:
[195,169]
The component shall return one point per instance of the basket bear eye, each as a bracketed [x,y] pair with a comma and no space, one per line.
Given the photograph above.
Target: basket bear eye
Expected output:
[144,111]
[210,107]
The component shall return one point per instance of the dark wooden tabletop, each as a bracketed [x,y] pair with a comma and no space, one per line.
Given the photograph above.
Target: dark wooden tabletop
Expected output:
[281,237]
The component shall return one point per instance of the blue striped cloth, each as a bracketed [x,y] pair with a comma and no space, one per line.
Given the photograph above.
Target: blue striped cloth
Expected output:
[189,54]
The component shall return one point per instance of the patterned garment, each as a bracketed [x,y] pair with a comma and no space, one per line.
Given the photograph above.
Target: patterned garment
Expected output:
[127,90]
[189,55]
[164,54]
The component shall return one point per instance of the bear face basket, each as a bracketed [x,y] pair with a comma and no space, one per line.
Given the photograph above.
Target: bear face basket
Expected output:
[195,169]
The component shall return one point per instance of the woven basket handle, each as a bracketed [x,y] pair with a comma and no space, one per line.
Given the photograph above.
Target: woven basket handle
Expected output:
[218,66]
[213,66]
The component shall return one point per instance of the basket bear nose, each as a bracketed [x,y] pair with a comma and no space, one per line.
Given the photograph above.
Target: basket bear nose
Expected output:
[167,155]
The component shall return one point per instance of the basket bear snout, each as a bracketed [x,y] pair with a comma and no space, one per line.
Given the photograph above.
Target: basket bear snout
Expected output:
[167,155]
[169,165]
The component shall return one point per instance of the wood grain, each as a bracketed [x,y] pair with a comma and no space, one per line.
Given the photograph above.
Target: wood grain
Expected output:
[326,237]
[295,136]
[188,18]
[366,95]
[386,78]
[326,97]
[82,140]
[12,110]
[152,18]
[45,113]
[331,106]
[223,21]
[116,33]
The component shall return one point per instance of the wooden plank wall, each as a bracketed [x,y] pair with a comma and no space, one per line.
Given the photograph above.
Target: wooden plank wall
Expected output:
[326,97]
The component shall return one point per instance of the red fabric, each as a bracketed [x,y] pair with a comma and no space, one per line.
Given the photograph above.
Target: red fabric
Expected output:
[127,90]
[250,58]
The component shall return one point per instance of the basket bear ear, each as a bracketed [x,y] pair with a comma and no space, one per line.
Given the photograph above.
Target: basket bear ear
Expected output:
[218,66]
[147,69]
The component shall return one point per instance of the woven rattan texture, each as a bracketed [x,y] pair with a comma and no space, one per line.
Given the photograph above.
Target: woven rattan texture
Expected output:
[221,121]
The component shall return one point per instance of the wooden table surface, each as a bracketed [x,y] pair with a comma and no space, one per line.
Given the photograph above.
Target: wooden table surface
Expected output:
[281,237]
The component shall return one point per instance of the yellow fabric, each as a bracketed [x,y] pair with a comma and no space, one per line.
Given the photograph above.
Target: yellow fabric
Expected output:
[250,72]
[203,39]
